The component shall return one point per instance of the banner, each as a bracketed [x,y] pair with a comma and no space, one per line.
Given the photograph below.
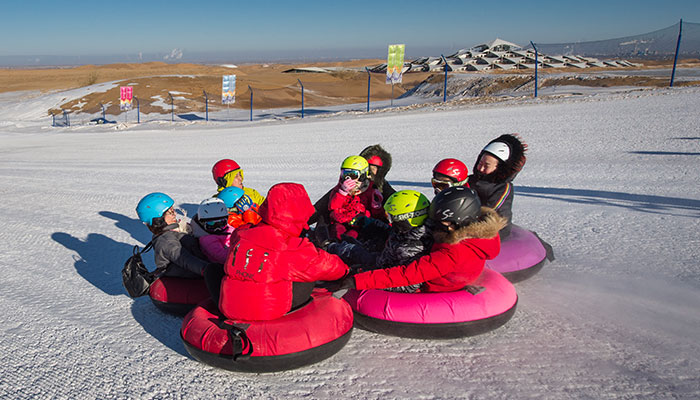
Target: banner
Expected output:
[228,89]
[126,95]
[394,63]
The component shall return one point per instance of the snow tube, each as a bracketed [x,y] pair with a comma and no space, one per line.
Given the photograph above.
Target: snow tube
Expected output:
[304,336]
[522,255]
[177,295]
[443,315]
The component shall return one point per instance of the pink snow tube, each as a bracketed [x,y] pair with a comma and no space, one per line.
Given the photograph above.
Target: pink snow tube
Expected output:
[441,315]
[522,255]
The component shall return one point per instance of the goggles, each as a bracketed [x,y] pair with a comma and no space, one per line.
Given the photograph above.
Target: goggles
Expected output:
[441,184]
[215,224]
[406,216]
[354,174]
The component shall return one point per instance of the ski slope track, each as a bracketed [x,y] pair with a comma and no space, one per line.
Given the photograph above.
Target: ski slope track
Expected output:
[611,181]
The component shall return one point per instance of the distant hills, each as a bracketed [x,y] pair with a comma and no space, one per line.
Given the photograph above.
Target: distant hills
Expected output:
[657,44]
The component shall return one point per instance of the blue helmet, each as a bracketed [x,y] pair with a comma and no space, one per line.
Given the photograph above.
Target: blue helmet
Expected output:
[153,205]
[230,195]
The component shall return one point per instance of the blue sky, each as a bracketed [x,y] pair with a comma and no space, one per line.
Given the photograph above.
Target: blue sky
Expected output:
[315,27]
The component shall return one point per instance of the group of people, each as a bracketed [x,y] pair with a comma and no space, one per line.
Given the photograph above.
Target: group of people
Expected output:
[260,259]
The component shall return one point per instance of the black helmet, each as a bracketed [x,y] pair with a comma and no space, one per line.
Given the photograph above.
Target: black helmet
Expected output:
[457,204]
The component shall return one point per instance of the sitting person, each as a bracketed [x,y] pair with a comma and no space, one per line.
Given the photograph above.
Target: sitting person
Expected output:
[241,209]
[496,167]
[227,173]
[354,196]
[379,161]
[465,234]
[173,248]
[447,173]
[271,268]
[212,221]
[409,237]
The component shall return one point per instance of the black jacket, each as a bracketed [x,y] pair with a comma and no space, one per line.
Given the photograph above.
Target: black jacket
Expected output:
[498,196]
[405,247]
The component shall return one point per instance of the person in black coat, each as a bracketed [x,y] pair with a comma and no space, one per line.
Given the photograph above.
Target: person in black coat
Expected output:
[495,168]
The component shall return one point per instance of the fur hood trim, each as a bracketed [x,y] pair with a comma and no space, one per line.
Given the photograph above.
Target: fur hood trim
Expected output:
[377,150]
[486,227]
[507,170]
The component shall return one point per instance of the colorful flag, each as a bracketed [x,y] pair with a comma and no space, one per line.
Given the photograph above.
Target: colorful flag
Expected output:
[394,63]
[228,89]
[126,95]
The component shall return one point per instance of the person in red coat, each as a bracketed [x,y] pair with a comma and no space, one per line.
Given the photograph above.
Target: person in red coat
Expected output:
[271,269]
[466,235]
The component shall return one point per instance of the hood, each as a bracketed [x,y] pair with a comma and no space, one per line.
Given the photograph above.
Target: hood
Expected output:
[486,227]
[377,150]
[287,207]
[507,170]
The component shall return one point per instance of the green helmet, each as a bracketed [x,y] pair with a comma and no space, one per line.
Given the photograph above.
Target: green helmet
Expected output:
[407,205]
[355,167]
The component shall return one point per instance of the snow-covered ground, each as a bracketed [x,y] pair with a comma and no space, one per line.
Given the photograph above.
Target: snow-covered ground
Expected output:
[612,182]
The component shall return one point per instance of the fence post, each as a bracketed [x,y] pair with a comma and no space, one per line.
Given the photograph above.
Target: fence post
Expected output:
[533,46]
[138,117]
[251,102]
[53,119]
[302,98]
[206,105]
[678,46]
[65,115]
[104,117]
[369,77]
[172,108]
[444,88]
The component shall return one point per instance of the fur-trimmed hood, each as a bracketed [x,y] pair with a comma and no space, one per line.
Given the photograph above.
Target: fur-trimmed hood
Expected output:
[486,227]
[377,150]
[507,170]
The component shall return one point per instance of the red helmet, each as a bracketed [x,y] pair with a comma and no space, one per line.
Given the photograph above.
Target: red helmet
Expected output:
[223,167]
[452,168]
[375,160]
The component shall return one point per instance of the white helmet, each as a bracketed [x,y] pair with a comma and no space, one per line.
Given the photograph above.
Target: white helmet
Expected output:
[211,209]
[499,150]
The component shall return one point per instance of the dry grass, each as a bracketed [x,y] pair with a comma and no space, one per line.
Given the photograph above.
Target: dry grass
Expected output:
[271,86]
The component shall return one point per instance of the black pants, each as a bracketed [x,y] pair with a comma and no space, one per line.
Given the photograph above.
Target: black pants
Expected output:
[214,273]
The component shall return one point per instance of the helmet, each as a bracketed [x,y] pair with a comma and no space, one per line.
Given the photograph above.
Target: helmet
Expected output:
[152,206]
[375,160]
[211,209]
[458,204]
[499,150]
[407,205]
[230,195]
[452,168]
[223,167]
[356,167]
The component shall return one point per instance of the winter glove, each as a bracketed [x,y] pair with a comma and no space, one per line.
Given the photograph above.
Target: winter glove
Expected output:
[359,221]
[244,203]
[347,186]
[344,283]
[377,199]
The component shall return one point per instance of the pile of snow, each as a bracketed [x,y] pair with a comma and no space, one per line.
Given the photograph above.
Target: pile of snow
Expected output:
[611,182]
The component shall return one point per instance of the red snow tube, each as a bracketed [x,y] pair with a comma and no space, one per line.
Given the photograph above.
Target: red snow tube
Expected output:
[483,306]
[522,255]
[302,337]
[177,295]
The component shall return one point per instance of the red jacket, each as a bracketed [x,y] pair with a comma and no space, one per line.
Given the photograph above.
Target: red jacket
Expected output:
[452,264]
[266,258]
[343,208]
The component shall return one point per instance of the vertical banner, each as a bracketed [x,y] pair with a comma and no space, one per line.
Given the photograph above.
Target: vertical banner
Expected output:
[394,63]
[228,89]
[126,95]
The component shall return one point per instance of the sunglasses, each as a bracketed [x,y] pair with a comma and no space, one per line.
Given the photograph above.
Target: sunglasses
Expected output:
[354,174]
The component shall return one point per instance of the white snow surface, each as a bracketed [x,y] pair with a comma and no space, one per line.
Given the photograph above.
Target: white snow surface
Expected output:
[611,182]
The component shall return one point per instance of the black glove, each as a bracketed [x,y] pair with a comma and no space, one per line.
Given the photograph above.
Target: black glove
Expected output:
[348,282]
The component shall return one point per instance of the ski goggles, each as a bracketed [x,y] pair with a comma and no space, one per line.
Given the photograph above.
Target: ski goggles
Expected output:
[354,174]
[215,224]
[442,184]
[406,216]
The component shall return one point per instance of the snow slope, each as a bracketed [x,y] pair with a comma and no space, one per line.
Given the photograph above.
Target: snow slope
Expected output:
[611,182]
